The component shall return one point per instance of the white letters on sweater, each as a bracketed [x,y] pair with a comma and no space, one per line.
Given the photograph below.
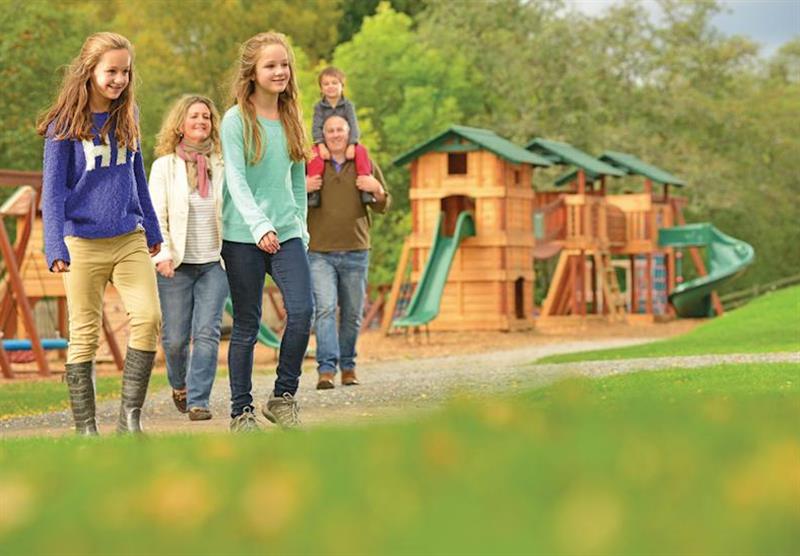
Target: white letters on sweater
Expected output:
[92,151]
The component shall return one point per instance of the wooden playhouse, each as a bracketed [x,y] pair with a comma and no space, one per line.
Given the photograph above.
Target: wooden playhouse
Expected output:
[473,281]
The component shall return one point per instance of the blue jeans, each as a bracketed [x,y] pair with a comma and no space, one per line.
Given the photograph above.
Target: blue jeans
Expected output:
[339,279]
[191,305]
[247,267]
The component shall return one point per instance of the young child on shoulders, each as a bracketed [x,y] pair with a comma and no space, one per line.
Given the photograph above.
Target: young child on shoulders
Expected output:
[333,103]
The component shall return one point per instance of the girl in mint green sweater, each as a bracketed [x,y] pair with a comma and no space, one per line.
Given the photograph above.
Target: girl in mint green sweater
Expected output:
[264,223]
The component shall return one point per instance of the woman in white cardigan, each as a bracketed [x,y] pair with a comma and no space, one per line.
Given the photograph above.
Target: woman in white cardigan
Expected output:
[186,188]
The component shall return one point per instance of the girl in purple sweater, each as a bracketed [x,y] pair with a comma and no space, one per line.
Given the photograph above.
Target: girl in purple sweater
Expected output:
[99,223]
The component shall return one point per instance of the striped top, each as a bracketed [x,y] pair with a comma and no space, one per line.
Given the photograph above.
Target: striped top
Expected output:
[202,235]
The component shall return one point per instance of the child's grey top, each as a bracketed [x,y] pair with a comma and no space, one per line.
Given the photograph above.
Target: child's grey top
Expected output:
[323,110]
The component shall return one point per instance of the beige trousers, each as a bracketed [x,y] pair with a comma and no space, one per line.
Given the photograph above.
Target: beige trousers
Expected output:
[125,262]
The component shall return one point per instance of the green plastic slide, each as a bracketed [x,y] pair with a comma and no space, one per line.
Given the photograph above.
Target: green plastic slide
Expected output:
[727,257]
[265,334]
[427,298]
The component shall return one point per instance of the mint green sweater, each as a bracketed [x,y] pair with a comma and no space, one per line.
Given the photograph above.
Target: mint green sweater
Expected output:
[267,197]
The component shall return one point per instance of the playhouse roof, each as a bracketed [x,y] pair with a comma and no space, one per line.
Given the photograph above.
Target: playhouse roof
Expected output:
[572,175]
[564,153]
[632,165]
[479,139]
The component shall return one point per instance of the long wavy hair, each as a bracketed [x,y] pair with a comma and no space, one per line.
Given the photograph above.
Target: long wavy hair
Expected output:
[288,101]
[170,134]
[70,115]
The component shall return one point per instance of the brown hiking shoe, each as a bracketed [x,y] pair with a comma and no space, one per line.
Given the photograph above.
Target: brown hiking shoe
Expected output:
[326,381]
[179,399]
[349,378]
[199,414]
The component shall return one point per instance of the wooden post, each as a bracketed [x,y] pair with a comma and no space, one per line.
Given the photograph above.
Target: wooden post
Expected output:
[582,266]
[61,312]
[699,264]
[111,340]
[5,365]
[595,298]
[649,280]
[15,281]
[399,275]
[632,286]
[573,284]
[581,182]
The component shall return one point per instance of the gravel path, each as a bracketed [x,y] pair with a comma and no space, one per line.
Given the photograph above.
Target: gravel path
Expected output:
[394,388]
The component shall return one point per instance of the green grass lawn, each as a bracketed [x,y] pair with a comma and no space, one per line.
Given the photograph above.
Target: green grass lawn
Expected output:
[42,396]
[702,462]
[768,324]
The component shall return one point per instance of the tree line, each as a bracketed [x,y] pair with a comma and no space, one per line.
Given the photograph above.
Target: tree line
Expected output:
[675,92]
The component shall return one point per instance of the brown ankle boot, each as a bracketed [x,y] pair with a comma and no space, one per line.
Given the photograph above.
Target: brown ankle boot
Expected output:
[325,381]
[349,378]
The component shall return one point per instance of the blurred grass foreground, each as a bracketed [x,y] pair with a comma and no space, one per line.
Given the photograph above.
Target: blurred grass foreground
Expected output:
[612,466]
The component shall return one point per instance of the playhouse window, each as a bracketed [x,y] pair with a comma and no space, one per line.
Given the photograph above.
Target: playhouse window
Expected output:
[457,163]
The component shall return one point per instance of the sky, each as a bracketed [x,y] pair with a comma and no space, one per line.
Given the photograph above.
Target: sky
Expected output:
[768,22]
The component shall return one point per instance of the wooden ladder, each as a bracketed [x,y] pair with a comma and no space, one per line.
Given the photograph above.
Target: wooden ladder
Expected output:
[612,296]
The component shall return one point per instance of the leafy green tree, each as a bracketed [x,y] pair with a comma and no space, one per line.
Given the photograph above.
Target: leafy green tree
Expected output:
[354,12]
[405,90]
[179,53]
[35,46]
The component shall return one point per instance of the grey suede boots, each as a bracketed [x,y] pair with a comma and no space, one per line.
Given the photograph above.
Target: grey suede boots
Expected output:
[135,378]
[80,381]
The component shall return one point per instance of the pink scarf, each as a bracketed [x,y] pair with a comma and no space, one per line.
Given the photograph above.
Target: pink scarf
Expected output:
[198,169]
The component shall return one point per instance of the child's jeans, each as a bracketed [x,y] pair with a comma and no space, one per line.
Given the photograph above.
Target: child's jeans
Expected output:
[316,165]
[247,265]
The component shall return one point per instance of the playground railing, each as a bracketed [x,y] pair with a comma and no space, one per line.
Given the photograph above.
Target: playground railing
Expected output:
[741,297]
[586,226]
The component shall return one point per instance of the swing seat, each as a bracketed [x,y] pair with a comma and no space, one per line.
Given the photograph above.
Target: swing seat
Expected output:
[27,345]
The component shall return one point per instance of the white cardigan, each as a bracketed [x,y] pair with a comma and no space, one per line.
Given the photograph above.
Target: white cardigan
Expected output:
[169,190]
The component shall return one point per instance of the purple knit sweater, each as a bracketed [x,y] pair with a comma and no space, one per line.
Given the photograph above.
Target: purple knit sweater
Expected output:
[91,190]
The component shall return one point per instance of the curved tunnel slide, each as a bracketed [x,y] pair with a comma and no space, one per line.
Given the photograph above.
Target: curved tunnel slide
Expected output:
[727,257]
[426,301]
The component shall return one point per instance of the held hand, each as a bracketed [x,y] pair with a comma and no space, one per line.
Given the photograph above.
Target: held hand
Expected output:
[313,183]
[166,268]
[324,153]
[350,152]
[59,266]
[155,249]
[269,243]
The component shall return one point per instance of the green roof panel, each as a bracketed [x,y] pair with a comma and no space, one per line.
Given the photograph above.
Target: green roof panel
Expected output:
[572,175]
[564,153]
[632,165]
[482,138]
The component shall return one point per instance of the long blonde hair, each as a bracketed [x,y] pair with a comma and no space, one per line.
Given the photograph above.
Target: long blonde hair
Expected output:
[170,134]
[288,101]
[70,115]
